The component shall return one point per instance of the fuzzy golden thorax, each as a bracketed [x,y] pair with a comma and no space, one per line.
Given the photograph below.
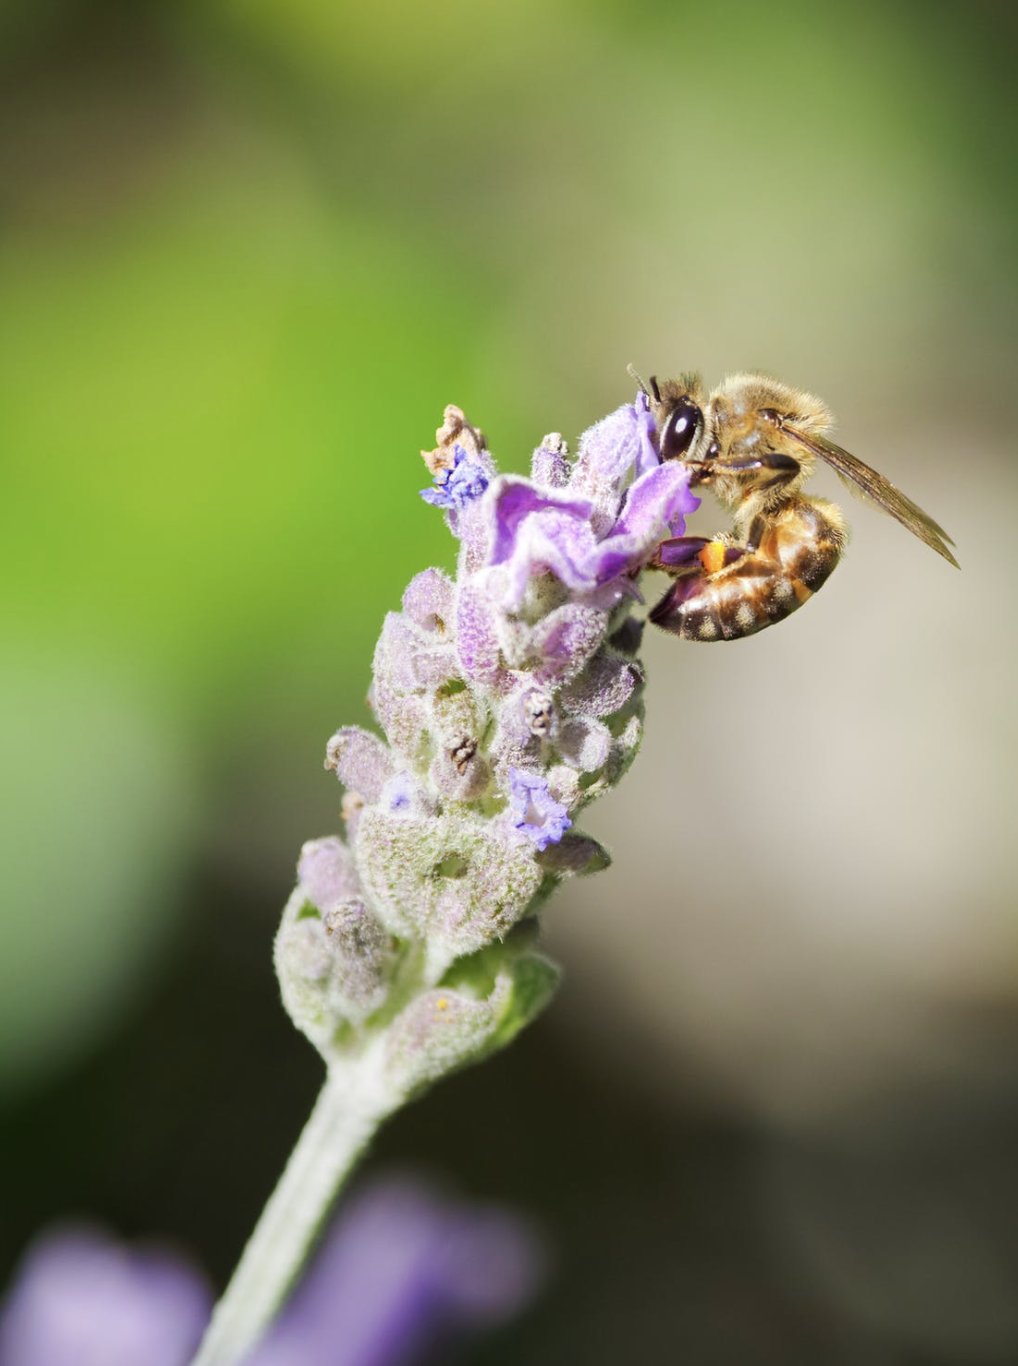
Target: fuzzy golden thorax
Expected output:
[746,417]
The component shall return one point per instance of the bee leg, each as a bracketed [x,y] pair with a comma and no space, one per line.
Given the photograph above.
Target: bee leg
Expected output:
[784,468]
[683,553]
[767,460]
[757,529]
[678,553]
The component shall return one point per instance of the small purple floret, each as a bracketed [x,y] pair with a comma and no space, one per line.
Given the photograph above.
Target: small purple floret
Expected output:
[459,486]
[535,811]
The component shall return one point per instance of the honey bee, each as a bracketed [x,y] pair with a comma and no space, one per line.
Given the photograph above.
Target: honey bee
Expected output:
[754,442]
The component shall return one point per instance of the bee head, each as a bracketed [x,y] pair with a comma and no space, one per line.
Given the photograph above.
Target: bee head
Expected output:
[677,405]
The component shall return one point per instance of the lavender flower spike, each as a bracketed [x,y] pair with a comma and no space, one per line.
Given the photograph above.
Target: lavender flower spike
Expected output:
[507,699]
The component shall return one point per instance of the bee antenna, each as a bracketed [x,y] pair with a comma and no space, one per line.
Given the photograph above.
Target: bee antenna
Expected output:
[631,370]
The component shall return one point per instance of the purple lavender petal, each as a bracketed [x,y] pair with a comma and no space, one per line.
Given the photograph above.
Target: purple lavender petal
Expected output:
[401,1271]
[517,499]
[552,540]
[657,501]
[647,457]
[80,1299]
[654,509]
[535,811]
[538,532]
[609,449]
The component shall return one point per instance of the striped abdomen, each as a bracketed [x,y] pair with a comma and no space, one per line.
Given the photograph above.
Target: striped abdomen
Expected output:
[801,543]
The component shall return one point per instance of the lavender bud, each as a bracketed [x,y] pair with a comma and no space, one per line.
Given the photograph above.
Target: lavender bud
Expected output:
[628,638]
[584,743]
[564,785]
[439,1032]
[405,718]
[363,957]
[605,686]
[405,795]
[550,463]
[429,599]
[360,760]
[477,644]
[565,640]
[453,1025]
[334,969]
[326,872]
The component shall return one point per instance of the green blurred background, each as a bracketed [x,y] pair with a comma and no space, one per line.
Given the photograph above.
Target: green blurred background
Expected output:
[248,252]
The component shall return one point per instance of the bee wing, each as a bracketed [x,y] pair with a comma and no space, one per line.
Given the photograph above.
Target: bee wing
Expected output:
[859,476]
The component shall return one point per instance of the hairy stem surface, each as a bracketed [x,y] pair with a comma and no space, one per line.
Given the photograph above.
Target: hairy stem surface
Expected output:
[351,1106]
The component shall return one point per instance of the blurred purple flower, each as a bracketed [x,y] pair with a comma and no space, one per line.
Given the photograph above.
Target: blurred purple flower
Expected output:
[80,1299]
[402,1271]
[535,811]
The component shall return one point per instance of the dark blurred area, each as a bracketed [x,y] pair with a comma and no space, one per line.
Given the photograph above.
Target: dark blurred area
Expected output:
[247,255]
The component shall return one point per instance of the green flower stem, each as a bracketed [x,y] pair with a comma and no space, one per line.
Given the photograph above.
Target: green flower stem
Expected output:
[352,1104]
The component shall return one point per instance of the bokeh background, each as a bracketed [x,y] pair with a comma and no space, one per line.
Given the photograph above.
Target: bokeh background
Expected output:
[248,252]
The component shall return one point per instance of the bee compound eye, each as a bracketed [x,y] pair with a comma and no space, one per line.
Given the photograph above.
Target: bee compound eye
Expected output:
[680,429]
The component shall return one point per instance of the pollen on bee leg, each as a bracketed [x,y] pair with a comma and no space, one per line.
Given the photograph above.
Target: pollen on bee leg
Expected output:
[712,556]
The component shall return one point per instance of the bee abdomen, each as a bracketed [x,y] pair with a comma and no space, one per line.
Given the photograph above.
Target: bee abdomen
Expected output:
[811,545]
[741,600]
